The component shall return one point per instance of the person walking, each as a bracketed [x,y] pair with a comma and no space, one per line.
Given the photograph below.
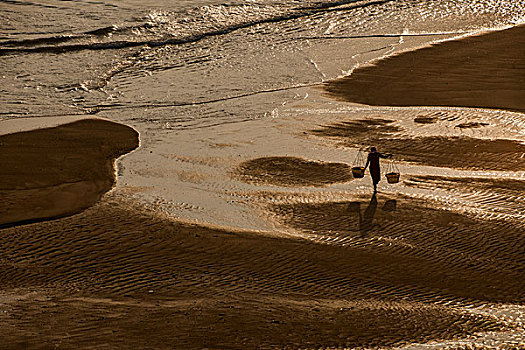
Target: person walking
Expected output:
[373,161]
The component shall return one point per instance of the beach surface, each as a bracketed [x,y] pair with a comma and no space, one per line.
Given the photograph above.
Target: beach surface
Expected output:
[120,277]
[146,227]
[484,71]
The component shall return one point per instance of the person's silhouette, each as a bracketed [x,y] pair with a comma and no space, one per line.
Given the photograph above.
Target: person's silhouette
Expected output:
[373,161]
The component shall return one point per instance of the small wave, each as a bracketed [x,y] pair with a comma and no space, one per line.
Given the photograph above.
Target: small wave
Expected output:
[28,3]
[75,47]
[163,27]
[103,31]
[39,41]
[171,28]
[50,43]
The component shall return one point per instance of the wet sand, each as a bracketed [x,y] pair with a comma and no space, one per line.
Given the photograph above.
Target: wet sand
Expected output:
[363,272]
[59,171]
[376,272]
[119,277]
[462,152]
[292,171]
[482,71]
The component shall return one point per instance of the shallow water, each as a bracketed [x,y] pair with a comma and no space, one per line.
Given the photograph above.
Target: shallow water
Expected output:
[169,56]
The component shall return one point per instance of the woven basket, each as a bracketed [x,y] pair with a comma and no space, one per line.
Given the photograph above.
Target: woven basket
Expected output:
[392,178]
[358,171]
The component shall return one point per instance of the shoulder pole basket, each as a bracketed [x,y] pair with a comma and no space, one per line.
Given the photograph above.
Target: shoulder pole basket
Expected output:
[358,169]
[392,174]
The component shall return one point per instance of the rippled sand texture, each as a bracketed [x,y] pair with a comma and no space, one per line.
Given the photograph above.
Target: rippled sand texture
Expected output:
[284,249]
[119,277]
[58,171]
[480,71]
[463,152]
[437,255]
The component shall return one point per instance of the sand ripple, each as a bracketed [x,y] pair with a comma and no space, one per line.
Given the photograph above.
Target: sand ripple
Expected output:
[116,274]
[444,151]
[442,256]
[293,171]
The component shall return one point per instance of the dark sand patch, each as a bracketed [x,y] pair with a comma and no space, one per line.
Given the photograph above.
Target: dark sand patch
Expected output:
[495,197]
[510,186]
[119,278]
[425,120]
[359,130]
[58,171]
[471,125]
[435,254]
[232,323]
[458,152]
[515,346]
[455,152]
[292,171]
[481,71]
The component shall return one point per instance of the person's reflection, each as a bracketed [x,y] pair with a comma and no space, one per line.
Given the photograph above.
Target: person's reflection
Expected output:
[366,220]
